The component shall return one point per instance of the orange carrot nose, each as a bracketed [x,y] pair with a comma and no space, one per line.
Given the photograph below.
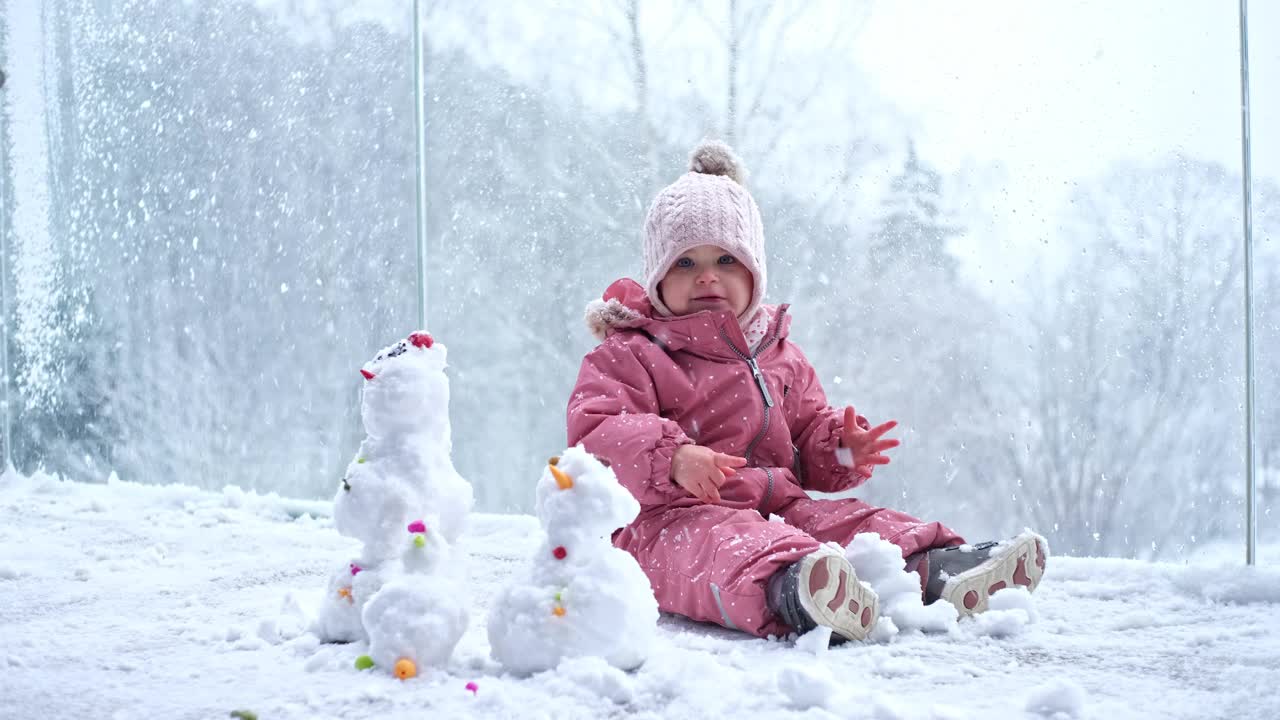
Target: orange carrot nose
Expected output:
[367,375]
[564,481]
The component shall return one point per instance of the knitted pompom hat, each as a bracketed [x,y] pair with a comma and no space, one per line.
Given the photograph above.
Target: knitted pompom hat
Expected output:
[706,206]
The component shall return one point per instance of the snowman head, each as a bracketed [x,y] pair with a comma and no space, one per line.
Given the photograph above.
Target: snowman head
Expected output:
[405,388]
[579,495]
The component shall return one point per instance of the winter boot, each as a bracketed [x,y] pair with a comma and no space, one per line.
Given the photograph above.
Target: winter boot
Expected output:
[822,589]
[968,575]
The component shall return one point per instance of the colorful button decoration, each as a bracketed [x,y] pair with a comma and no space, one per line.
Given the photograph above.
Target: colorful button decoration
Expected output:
[405,669]
[364,662]
[560,553]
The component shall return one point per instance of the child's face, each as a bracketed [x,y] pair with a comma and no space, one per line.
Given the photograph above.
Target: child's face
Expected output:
[707,278]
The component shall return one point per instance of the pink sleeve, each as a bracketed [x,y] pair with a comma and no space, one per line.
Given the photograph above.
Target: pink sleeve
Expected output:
[817,435]
[613,414]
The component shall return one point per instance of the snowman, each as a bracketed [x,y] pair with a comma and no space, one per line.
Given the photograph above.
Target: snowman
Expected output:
[580,596]
[350,587]
[402,498]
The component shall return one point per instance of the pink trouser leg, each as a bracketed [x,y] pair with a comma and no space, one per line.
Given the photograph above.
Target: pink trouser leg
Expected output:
[711,563]
[839,520]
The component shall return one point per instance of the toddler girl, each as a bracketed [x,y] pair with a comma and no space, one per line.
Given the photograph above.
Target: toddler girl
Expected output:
[714,420]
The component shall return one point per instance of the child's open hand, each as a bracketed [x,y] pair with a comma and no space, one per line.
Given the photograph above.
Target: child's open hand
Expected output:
[702,471]
[861,448]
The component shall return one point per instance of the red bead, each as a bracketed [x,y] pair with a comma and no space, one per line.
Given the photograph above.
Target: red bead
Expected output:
[421,339]
[560,552]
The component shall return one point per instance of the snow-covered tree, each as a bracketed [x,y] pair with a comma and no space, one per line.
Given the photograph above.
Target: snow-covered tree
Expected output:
[912,232]
[1127,429]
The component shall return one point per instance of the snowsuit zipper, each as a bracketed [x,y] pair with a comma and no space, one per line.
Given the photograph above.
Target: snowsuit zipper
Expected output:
[758,374]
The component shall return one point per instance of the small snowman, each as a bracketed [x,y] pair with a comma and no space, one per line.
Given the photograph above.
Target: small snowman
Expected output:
[350,587]
[580,596]
[402,498]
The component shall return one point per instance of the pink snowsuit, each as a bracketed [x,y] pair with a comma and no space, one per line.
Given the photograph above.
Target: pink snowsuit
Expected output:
[657,383]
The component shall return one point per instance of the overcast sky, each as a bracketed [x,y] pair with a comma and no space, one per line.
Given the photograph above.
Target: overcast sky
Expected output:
[1066,87]
[1053,92]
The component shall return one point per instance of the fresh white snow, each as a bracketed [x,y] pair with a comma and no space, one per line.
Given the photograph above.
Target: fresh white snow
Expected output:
[120,600]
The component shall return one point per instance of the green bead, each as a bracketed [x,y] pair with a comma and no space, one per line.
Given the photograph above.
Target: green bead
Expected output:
[360,461]
[364,662]
[419,540]
[557,597]
[244,715]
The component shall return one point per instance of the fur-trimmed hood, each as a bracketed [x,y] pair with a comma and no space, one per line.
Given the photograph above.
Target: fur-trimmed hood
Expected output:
[626,306]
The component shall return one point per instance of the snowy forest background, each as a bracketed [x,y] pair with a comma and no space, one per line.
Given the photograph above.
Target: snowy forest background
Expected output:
[209,214]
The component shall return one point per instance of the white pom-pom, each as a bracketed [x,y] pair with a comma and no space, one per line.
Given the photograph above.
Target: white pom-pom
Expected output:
[713,157]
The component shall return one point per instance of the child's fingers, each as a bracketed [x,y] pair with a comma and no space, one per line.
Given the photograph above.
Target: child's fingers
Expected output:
[711,491]
[877,460]
[882,445]
[882,428]
[724,460]
[850,417]
[728,471]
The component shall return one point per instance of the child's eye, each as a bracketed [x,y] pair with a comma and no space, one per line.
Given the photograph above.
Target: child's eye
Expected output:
[684,262]
[727,260]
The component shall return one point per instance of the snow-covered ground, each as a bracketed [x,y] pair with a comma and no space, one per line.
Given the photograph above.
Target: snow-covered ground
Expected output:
[125,601]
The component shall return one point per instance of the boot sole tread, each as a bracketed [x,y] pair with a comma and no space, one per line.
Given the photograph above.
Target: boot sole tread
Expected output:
[830,592]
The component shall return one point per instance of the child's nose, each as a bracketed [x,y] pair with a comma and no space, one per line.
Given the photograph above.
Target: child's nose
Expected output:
[708,276]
